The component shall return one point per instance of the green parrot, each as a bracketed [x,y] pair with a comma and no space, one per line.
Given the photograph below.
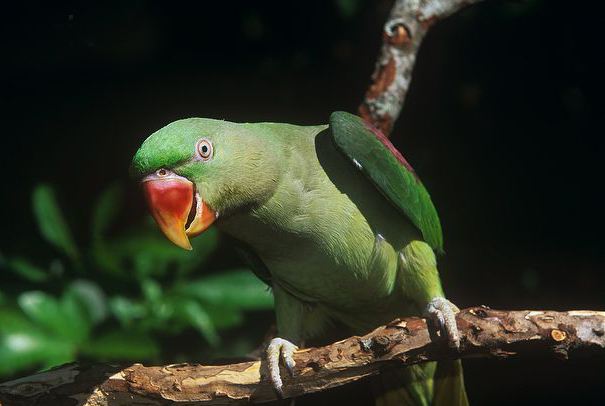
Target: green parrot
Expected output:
[331,217]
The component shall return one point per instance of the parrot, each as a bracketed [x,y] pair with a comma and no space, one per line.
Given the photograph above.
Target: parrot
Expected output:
[332,217]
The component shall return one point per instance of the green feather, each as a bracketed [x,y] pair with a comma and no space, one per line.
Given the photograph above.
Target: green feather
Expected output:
[389,172]
[336,252]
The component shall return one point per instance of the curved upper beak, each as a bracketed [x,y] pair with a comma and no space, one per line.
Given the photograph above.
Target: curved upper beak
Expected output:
[172,200]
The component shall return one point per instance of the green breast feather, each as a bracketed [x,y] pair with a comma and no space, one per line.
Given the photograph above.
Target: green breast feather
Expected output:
[377,158]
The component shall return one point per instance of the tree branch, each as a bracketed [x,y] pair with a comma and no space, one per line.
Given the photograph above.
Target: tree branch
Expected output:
[404,30]
[484,332]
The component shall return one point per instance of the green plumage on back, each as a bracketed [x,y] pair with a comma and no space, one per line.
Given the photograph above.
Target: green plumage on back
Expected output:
[374,154]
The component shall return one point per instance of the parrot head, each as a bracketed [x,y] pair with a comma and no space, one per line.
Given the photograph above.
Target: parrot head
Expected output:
[193,169]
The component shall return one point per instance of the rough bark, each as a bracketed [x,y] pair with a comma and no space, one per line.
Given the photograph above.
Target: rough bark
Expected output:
[408,22]
[484,332]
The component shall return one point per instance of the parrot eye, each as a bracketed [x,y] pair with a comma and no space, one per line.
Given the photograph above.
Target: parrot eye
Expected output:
[204,149]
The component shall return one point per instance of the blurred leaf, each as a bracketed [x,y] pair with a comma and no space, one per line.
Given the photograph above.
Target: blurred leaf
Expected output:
[122,345]
[203,245]
[91,298]
[27,270]
[149,254]
[152,254]
[21,350]
[76,316]
[43,310]
[23,345]
[13,320]
[45,330]
[61,353]
[66,318]
[105,210]
[145,265]
[126,310]
[224,317]
[200,319]
[51,222]
[103,214]
[239,289]
[162,312]
[153,243]
[152,290]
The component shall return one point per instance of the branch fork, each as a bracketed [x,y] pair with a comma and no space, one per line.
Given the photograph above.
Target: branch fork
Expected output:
[406,26]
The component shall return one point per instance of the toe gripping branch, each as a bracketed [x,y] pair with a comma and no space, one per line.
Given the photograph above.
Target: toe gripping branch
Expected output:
[280,349]
[443,313]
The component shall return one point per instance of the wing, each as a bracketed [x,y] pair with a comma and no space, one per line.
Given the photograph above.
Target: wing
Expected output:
[259,268]
[254,262]
[370,151]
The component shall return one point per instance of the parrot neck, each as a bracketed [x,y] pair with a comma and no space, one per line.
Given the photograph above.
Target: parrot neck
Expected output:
[272,225]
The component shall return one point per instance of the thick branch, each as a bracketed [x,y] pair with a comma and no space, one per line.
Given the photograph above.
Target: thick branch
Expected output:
[404,30]
[484,332]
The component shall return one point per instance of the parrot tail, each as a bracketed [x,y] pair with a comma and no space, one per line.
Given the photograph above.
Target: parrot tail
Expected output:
[428,384]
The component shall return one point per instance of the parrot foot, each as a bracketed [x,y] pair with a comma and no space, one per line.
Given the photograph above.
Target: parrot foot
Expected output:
[280,348]
[443,312]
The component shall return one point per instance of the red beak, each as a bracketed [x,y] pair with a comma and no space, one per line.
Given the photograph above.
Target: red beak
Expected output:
[171,199]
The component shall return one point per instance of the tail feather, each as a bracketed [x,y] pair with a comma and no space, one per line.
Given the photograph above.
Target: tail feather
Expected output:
[427,384]
[449,384]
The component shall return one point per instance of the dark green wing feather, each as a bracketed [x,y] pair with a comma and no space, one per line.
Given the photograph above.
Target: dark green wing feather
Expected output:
[254,262]
[375,156]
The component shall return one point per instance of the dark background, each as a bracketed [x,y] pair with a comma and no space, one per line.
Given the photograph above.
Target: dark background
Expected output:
[503,122]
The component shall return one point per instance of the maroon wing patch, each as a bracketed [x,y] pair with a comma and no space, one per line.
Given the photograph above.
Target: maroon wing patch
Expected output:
[385,141]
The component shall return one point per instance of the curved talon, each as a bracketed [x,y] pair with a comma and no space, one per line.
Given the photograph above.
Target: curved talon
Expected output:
[444,312]
[280,348]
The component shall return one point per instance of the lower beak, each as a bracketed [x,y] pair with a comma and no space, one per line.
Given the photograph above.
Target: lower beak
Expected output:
[171,200]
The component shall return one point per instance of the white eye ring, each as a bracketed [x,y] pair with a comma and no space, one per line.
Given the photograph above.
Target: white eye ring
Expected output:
[204,149]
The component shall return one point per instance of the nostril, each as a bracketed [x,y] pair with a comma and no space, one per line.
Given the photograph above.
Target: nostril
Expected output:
[162,172]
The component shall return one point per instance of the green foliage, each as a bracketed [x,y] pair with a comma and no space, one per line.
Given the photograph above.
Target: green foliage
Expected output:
[117,297]
[27,270]
[51,221]
[238,287]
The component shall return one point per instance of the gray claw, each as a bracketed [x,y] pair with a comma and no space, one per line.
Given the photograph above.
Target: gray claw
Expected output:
[290,364]
[280,348]
[444,313]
